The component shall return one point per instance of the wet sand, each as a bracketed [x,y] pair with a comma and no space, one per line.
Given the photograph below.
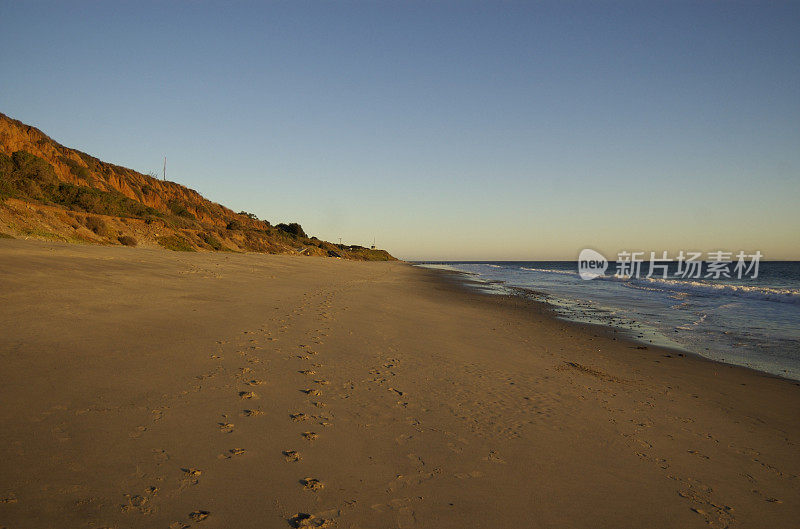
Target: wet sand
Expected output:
[145,388]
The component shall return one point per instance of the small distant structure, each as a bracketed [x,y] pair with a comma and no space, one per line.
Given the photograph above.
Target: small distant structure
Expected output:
[164,174]
[373,244]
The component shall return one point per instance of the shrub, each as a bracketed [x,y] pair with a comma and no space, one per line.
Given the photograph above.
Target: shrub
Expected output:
[176,243]
[5,236]
[6,166]
[234,225]
[93,200]
[41,233]
[76,168]
[211,241]
[97,225]
[292,229]
[179,209]
[26,176]
[127,240]
[30,166]
[249,215]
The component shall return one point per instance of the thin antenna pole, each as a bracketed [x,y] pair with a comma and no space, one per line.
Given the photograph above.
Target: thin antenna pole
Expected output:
[164,174]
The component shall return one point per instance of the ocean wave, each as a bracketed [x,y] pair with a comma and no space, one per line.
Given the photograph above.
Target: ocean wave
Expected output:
[681,288]
[780,295]
[562,272]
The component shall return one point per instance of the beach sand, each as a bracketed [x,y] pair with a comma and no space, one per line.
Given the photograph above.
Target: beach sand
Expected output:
[145,388]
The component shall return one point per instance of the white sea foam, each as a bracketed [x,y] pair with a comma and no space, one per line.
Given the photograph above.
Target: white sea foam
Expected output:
[676,286]
[562,272]
[780,295]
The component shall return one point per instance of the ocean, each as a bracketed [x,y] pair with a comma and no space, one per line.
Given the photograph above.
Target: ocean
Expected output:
[753,322]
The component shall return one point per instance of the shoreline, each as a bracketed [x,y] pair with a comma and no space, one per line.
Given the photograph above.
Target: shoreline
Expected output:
[606,328]
[608,331]
[145,388]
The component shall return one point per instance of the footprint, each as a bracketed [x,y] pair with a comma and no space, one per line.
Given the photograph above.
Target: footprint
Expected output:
[494,457]
[252,413]
[255,382]
[225,427]
[310,436]
[299,416]
[292,456]
[303,519]
[403,438]
[312,392]
[233,452]
[141,502]
[199,516]
[312,484]
[307,372]
[138,433]
[322,382]
[191,476]
[247,395]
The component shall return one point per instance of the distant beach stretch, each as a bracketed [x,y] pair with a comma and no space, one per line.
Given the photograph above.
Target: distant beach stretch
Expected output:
[144,388]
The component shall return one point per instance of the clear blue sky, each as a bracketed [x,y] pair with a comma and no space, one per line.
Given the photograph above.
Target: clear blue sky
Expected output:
[450,130]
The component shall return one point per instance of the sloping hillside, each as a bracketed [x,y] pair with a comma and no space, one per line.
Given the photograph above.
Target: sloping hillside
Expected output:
[53,192]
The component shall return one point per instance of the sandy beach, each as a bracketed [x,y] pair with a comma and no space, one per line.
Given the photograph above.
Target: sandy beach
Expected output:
[155,389]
